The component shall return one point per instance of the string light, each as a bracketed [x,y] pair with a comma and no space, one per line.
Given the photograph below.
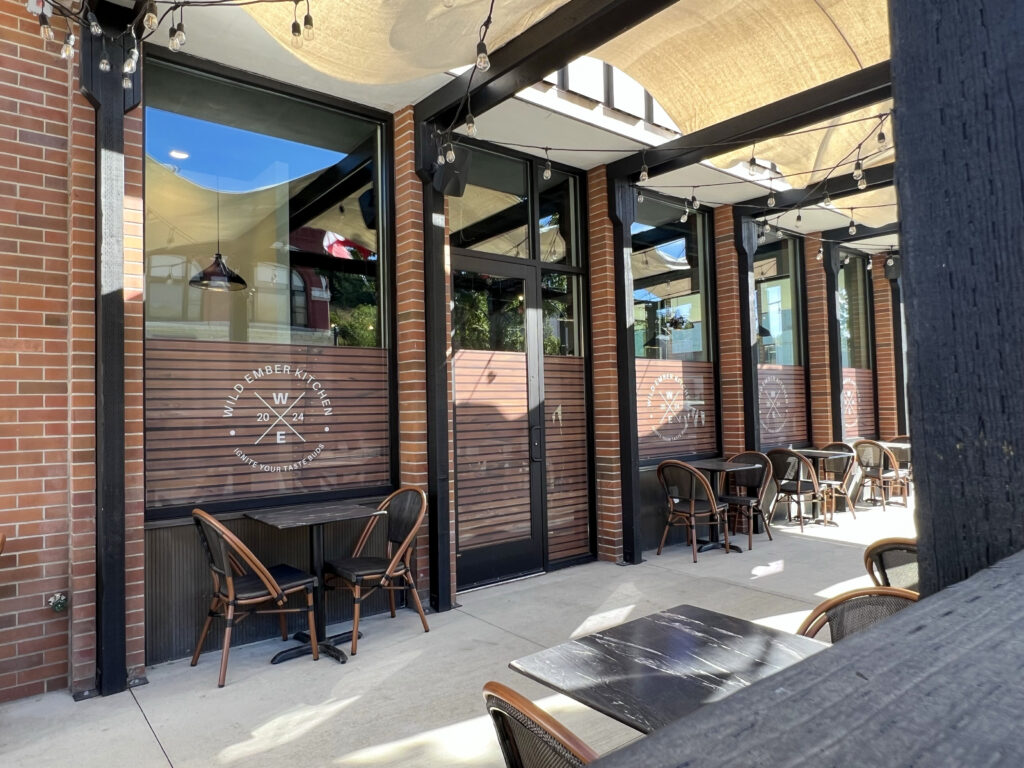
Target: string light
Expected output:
[799,217]
[771,199]
[483,61]
[881,139]
[307,24]
[45,30]
[94,25]
[853,227]
[684,215]
[67,50]
[644,175]
[132,62]
[126,82]
[890,261]
[470,124]
[858,170]
[179,31]
[639,196]
[827,200]
[870,264]
[821,254]
[172,39]
[151,21]
[296,28]
[104,64]
[547,167]
[449,155]
[440,156]
[694,202]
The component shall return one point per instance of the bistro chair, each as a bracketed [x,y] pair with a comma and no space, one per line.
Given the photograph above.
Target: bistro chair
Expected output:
[241,582]
[529,737]
[880,470]
[755,484]
[837,475]
[853,611]
[363,574]
[903,456]
[893,563]
[795,478]
[689,497]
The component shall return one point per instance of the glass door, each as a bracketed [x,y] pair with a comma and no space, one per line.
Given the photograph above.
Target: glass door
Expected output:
[499,424]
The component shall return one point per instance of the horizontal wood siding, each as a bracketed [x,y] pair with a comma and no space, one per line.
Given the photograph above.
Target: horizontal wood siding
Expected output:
[207,430]
[675,407]
[492,449]
[568,484]
[858,403]
[782,402]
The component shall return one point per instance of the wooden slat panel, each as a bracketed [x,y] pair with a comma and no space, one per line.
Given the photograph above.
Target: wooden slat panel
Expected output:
[782,403]
[858,402]
[675,405]
[568,483]
[492,456]
[207,432]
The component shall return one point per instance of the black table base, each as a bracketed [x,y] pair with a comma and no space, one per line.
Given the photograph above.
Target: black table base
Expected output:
[704,546]
[328,647]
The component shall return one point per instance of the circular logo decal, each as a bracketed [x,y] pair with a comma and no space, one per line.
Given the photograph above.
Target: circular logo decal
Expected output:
[774,402]
[277,416]
[850,397]
[675,408]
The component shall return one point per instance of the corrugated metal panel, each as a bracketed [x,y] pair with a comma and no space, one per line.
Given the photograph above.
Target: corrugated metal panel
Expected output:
[178,587]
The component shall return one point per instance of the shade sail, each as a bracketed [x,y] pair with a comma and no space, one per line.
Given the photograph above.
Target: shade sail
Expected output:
[370,41]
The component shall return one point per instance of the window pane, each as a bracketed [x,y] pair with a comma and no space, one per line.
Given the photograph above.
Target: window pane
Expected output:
[586,77]
[779,334]
[558,225]
[627,94]
[560,293]
[489,312]
[852,306]
[492,216]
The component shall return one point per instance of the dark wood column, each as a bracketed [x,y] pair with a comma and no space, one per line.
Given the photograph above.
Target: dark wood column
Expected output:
[958,80]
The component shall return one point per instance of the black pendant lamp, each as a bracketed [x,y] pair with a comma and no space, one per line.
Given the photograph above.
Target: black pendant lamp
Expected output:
[218,276]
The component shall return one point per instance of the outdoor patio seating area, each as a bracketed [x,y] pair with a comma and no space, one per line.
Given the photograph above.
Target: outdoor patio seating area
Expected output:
[390,706]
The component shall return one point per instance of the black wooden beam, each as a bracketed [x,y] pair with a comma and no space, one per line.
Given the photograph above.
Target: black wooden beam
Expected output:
[332,185]
[111,101]
[571,31]
[745,242]
[838,97]
[835,188]
[842,234]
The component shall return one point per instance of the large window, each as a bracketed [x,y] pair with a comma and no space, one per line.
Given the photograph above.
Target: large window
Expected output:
[853,307]
[781,377]
[672,331]
[278,388]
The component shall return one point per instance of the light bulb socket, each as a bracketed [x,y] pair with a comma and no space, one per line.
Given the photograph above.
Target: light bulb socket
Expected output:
[483,61]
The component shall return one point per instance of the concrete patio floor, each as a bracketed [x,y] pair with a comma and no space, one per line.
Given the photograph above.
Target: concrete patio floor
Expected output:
[413,699]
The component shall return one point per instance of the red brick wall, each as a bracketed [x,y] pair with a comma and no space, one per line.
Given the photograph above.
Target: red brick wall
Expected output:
[817,342]
[35,342]
[607,457]
[730,335]
[410,331]
[885,349]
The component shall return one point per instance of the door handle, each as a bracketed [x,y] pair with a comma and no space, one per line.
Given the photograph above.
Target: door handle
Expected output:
[536,444]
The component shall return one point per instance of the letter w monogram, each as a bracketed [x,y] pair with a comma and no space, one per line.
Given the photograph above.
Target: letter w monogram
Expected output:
[280,398]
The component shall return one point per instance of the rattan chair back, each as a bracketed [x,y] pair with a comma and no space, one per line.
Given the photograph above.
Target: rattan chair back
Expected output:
[893,563]
[856,610]
[228,556]
[529,737]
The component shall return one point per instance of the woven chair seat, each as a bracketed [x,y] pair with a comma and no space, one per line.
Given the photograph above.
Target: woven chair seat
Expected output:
[742,501]
[796,486]
[356,569]
[699,508]
[249,586]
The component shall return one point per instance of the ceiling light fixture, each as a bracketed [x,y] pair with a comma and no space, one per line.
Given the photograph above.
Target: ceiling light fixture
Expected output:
[218,276]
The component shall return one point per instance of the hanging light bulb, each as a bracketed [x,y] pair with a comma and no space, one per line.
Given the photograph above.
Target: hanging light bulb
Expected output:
[762,238]
[644,175]
[639,197]
[94,26]
[881,139]
[470,124]
[307,24]
[546,175]
[870,264]
[827,202]
[151,21]
[846,261]
[104,64]
[45,30]
[440,156]
[126,82]
[821,254]
[858,170]
[67,50]
[862,183]
[450,154]
[853,227]
[890,261]
[483,61]
[752,167]
[179,31]
[799,217]
[771,200]
[296,34]
[694,202]
[131,63]
[172,40]
[684,215]
[767,228]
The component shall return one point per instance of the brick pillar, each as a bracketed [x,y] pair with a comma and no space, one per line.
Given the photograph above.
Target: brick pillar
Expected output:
[730,335]
[607,463]
[818,350]
[410,331]
[886,349]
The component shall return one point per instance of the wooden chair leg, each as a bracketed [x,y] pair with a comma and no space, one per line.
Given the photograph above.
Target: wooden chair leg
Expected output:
[356,596]
[693,538]
[800,512]
[416,601]
[391,601]
[314,643]
[230,616]
[283,621]
[664,536]
[214,604]
[725,536]
[750,528]
[767,527]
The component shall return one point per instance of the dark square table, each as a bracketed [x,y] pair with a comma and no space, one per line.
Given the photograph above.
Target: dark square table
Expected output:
[817,455]
[714,467]
[651,671]
[314,517]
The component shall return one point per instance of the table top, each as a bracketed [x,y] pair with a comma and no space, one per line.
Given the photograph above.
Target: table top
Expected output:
[890,445]
[720,465]
[815,453]
[301,515]
[653,670]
